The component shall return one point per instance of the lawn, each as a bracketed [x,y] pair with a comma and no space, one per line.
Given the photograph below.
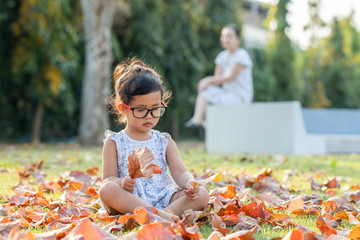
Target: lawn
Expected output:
[51,189]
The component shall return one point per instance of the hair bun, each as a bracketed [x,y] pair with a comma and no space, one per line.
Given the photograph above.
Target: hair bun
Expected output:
[138,69]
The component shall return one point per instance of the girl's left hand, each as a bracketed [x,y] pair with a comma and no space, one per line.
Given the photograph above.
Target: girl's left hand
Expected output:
[192,192]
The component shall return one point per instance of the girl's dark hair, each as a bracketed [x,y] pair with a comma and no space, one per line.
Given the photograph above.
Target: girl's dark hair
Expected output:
[235,28]
[131,78]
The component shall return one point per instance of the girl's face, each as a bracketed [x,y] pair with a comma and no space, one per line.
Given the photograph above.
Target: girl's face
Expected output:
[148,101]
[229,40]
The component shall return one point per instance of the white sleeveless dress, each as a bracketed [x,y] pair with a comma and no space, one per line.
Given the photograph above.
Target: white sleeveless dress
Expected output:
[157,190]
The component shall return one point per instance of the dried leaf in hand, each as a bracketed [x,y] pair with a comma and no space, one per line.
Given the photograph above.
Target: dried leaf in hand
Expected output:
[140,163]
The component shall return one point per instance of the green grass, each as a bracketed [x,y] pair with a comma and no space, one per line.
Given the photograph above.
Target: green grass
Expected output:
[66,157]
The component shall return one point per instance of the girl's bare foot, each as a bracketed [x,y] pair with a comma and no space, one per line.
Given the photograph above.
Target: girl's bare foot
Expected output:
[168,215]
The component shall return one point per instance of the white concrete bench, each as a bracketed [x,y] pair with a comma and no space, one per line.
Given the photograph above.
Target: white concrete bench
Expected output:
[262,127]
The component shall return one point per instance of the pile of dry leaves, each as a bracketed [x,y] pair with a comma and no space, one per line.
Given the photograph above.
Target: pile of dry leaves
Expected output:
[237,209]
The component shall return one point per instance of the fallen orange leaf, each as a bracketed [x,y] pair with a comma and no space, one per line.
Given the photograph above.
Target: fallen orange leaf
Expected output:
[140,163]
[296,206]
[355,233]
[154,231]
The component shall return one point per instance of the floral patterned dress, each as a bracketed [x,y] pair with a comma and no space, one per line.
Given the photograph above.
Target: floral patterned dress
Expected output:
[157,190]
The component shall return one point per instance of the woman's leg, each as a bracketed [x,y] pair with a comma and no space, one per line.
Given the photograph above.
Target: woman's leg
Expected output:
[114,197]
[179,202]
[200,108]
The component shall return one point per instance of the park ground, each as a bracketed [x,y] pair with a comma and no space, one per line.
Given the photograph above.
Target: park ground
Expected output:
[261,196]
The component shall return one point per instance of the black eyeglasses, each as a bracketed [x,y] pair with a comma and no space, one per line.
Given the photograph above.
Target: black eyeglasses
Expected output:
[143,112]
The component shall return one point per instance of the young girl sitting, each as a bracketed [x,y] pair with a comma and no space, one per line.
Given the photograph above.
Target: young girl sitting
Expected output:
[139,100]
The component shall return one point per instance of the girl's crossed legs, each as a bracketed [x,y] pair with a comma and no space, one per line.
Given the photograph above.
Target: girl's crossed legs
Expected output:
[118,200]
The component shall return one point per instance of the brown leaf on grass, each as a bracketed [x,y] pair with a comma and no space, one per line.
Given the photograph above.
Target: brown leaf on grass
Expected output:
[241,235]
[270,199]
[333,204]
[332,183]
[230,192]
[215,235]
[217,222]
[214,178]
[75,186]
[179,228]
[19,200]
[315,186]
[355,233]
[246,223]
[282,220]
[355,196]
[92,171]
[140,164]
[191,216]
[295,234]
[217,204]
[56,233]
[17,234]
[255,210]
[89,231]
[5,228]
[154,231]
[323,227]
[353,220]
[141,216]
[296,207]
[263,173]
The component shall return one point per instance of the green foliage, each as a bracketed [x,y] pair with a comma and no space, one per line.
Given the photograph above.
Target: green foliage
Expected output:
[281,55]
[144,35]
[214,15]
[41,58]
[339,70]
[43,61]
[264,81]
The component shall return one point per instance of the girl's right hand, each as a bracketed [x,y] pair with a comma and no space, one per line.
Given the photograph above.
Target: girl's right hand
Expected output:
[128,184]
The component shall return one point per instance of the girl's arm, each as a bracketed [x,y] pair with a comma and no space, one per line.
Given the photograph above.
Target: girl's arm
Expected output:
[109,163]
[180,174]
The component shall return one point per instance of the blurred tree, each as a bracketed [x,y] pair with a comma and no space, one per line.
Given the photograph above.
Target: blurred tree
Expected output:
[98,19]
[45,55]
[213,16]
[281,56]
[183,64]
[334,69]
[264,80]
[144,37]
[11,91]
[341,61]
[311,68]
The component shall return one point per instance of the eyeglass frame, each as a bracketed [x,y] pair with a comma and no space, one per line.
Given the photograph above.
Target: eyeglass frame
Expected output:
[148,110]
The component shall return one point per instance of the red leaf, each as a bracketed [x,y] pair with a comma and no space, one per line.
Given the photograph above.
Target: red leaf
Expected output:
[19,200]
[157,169]
[295,234]
[255,210]
[355,233]
[89,231]
[92,171]
[230,192]
[323,227]
[154,231]
[140,163]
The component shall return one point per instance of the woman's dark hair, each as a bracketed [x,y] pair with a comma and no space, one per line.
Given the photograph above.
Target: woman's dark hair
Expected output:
[131,78]
[235,28]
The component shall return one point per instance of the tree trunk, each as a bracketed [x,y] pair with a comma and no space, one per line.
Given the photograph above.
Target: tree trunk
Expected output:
[36,133]
[98,18]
